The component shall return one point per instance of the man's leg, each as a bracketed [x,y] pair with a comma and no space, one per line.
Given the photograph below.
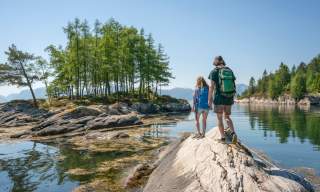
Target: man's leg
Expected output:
[229,122]
[227,113]
[220,124]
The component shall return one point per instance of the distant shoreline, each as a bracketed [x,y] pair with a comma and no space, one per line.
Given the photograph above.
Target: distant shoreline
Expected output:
[308,100]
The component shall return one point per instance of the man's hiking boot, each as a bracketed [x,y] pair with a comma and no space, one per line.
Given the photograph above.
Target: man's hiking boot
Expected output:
[234,138]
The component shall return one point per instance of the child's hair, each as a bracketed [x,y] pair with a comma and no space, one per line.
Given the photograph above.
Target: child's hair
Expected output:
[201,82]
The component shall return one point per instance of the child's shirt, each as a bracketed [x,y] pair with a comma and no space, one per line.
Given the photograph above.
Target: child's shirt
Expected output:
[200,98]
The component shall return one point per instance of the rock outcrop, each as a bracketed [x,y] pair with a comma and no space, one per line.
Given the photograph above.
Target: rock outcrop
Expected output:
[282,100]
[73,118]
[178,105]
[206,165]
[20,113]
[310,100]
[87,117]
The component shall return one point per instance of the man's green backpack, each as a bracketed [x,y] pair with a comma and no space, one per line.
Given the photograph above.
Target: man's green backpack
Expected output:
[227,82]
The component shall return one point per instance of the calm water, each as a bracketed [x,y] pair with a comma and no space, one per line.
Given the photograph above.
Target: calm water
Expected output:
[290,136]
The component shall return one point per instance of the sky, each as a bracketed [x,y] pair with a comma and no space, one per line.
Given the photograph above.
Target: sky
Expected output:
[251,35]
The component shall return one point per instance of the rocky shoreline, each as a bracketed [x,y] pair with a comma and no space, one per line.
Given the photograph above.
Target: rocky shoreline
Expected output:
[19,119]
[309,100]
[118,129]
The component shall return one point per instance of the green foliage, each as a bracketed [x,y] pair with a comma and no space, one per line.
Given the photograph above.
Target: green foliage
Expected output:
[312,75]
[252,86]
[273,91]
[298,85]
[111,58]
[299,81]
[20,69]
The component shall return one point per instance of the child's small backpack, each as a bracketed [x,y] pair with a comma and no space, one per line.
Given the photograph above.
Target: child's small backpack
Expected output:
[227,84]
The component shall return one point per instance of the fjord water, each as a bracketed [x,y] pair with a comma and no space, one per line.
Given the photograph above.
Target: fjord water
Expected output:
[288,135]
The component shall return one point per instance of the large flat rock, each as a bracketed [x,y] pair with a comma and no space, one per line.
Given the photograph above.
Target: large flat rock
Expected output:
[206,165]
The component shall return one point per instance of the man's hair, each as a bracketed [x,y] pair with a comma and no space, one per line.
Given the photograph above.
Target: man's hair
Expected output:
[218,60]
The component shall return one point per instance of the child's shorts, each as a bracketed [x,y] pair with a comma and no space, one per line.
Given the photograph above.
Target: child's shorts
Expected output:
[201,110]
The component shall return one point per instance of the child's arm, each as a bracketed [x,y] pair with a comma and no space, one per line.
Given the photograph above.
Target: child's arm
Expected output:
[194,101]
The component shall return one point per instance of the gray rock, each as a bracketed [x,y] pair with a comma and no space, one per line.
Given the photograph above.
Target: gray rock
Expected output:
[114,121]
[53,130]
[310,100]
[176,107]
[137,175]
[146,108]
[82,111]
[20,113]
[119,135]
[206,165]
[121,108]
[18,135]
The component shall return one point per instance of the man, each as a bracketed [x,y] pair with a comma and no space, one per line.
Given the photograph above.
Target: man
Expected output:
[223,85]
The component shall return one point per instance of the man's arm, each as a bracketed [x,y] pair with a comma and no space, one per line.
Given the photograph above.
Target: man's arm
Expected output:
[211,89]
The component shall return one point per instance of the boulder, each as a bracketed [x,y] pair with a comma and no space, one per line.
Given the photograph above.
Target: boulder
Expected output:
[310,100]
[114,121]
[138,175]
[54,130]
[205,165]
[146,108]
[20,113]
[120,108]
[81,111]
[176,107]
[119,135]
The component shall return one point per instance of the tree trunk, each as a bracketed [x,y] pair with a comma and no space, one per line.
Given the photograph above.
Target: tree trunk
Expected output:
[29,85]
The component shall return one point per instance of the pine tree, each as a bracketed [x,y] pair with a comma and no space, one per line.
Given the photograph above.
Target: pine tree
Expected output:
[298,85]
[20,70]
[110,59]
[252,86]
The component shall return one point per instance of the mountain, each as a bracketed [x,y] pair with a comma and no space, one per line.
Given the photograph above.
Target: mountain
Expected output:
[25,94]
[186,93]
[2,99]
[181,93]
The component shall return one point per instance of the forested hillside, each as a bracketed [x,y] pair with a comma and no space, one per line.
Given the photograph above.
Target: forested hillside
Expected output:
[297,82]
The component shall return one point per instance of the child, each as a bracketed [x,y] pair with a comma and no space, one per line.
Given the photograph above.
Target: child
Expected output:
[200,105]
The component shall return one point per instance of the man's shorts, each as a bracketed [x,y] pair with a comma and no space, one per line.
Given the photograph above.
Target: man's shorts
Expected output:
[226,109]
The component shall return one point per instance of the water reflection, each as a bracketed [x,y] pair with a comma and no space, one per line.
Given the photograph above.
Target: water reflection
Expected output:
[29,166]
[286,122]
